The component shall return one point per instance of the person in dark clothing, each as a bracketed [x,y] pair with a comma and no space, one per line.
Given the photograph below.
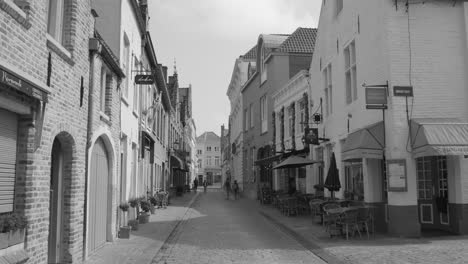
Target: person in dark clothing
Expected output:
[195,184]
[227,186]
[236,189]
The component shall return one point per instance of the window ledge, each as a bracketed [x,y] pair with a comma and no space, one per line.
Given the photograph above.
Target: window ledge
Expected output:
[124,100]
[59,49]
[16,12]
[105,118]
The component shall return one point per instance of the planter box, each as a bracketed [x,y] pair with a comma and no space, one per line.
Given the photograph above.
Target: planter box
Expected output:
[16,237]
[143,218]
[124,232]
[4,237]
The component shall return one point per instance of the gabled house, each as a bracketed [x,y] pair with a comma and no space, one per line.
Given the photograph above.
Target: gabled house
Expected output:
[279,57]
[390,79]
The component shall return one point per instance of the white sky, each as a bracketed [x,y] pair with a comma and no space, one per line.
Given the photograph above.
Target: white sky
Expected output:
[206,36]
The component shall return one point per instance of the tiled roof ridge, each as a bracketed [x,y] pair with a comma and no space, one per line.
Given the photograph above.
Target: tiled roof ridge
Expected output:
[302,40]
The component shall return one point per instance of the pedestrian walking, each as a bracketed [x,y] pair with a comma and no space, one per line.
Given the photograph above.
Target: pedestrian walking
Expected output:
[195,184]
[227,186]
[205,185]
[236,189]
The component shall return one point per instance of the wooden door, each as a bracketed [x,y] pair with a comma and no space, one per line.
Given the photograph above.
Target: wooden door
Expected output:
[98,197]
[56,204]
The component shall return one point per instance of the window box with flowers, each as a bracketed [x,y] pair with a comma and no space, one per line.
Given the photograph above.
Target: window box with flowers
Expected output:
[12,229]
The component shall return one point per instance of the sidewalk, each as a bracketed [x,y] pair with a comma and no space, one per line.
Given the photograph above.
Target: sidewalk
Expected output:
[381,249]
[145,243]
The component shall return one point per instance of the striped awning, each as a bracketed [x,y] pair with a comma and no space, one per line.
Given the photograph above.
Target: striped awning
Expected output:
[364,143]
[439,137]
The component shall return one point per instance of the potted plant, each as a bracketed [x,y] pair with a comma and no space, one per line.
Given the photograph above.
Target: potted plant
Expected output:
[124,231]
[16,224]
[133,224]
[179,190]
[153,203]
[134,202]
[144,216]
[4,233]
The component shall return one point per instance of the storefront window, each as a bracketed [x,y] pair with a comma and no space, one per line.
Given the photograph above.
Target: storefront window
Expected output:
[354,183]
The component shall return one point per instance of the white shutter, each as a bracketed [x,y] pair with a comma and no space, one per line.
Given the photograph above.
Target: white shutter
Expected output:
[8,140]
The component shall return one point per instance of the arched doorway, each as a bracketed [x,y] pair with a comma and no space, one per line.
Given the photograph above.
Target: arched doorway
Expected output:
[98,197]
[55,250]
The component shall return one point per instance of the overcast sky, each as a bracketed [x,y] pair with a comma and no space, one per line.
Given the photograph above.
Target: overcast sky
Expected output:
[206,36]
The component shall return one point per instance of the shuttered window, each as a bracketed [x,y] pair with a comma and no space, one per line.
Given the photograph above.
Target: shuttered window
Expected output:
[8,139]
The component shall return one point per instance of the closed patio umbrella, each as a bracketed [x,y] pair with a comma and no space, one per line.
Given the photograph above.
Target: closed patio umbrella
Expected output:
[332,183]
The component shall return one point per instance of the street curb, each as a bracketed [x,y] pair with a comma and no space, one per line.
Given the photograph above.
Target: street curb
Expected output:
[306,243]
[174,228]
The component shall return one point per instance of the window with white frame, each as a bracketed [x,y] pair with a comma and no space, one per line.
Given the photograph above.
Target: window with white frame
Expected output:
[208,161]
[302,121]
[125,65]
[105,91]
[217,161]
[208,148]
[251,116]
[56,19]
[350,73]
[264,113]
[328,89]
[263,71]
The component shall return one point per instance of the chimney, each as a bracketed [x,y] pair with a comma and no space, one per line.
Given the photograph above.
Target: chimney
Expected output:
[164,69]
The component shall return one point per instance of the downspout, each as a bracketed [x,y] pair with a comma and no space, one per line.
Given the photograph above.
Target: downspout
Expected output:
[92,56]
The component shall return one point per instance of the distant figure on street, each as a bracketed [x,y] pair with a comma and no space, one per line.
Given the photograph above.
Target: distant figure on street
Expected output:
[205,184]
[236,189]
[227,186]
[195,184]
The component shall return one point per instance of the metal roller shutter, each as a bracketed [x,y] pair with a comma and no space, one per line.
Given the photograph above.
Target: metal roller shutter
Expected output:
[8,140]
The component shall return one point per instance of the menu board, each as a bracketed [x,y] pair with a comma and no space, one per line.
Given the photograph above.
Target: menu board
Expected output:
[396,175]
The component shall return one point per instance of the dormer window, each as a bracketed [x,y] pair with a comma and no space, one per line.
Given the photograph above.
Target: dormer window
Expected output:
[263,71]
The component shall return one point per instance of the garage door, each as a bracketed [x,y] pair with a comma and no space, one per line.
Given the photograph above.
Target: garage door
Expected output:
[98,184]
[8,139]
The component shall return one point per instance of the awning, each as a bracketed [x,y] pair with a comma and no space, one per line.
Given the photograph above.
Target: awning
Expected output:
[294,162]
[364,143]
[268,160]
[439,137]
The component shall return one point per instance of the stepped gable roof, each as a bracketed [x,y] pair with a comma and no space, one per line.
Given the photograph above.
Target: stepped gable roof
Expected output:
[251,54]
[300,41]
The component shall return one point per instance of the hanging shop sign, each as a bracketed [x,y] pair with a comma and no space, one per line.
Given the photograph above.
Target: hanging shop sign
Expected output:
[376,96]
[311,136]
[144,79]
[396,175]
[406,91]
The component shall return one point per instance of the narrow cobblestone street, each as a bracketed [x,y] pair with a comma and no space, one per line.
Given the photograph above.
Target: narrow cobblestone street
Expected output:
[220,231]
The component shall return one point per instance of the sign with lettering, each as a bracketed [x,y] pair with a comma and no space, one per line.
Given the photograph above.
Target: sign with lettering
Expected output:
[396,175]
[403,91]
[19,84]
[144,79]
[376,96]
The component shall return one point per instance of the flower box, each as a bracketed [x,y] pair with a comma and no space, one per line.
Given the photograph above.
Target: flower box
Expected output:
[124,232]
[16,237]
[4,237]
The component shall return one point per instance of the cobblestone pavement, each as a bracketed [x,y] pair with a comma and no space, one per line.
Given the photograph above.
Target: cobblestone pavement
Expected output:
[147,240]
[379,249]
[227,231]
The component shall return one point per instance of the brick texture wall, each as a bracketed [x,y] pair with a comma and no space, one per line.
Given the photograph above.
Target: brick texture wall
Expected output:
[27,48]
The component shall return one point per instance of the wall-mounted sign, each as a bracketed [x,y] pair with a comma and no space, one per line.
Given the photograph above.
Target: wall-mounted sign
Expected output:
[403,91]
[396,175]
[376,96]
[376,106]
[144,79]
[311,136]
[21,85]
